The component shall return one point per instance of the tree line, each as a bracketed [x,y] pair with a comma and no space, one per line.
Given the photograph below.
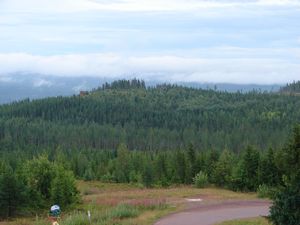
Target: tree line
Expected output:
[291,88]
[29,182]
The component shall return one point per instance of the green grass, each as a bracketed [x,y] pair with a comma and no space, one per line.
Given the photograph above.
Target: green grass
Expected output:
[252,221]
[110,216]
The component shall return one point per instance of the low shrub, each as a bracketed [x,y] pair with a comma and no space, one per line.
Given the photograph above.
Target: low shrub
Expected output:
[201,180]
[123,211]
[76,219]
[264,191]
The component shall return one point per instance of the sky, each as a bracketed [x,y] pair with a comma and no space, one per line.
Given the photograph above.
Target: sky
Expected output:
[231,41]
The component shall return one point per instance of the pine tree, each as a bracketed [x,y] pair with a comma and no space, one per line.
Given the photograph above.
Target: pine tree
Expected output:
[12,193]
[63,187]
[286,206]
[251,163]
[223,169]
[191,169]
[268,172]
[148,175]
[122,164]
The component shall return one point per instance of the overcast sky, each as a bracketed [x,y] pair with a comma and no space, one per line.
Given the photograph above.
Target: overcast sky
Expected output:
[238,41]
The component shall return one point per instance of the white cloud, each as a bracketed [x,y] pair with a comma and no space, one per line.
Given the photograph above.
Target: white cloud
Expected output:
[278,2]
[160,67]
[80,87]
[54,39]
[6,79]
[42,83]
[132,5]
[41,6]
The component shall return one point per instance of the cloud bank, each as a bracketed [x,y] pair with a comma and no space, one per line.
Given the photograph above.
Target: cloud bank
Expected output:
[237,41]
[163,68]
[133,5]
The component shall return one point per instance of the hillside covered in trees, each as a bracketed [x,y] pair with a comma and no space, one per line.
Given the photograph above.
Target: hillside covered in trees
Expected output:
[128,133]
[164,117]
[292,88]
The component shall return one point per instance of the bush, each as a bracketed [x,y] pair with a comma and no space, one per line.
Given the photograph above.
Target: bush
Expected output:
[63,188]
[264,191]
[201,180]
[48,183]
[286,206]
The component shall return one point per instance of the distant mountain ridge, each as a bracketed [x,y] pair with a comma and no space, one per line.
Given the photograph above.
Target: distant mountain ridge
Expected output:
[19,86]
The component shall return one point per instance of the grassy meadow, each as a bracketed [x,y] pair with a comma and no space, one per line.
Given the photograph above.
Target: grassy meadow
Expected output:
[128,204]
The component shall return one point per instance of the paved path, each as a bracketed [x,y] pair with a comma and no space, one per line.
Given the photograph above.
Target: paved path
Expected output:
[212,214]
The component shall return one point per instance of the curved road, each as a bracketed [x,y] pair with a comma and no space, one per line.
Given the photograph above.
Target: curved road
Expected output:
[212,214]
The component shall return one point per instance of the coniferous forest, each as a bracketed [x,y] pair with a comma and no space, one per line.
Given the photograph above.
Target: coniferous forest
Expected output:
[164,117]
[153,136]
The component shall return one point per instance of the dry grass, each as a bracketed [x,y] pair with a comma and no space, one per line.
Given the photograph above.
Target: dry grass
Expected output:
[103,198]
[113,194]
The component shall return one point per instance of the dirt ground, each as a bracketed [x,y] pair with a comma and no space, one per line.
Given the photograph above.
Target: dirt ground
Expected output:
[213,212]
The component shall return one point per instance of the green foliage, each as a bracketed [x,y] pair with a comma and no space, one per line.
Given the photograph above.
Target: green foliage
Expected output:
[290,156]
[286,206]
[191,168]
[63,188]
[210,162]
[48,183]
[291,88]
[76,219]
[148,175]
[12,196]
[111,215]
[201,180]
[88,174]
[237,180]
[223,169]
[122,164]
[125,132]
[179,167]
[38,175]
[245,175]
[264,191]
[158,118]
[268,172]
[123,211]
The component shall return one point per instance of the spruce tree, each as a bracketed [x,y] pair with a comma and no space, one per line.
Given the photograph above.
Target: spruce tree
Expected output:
[12,193]
[286,206]
[63,187]
[223,169]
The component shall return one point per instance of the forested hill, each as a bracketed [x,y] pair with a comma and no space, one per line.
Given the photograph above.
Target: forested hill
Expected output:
[292,88]
[158,118]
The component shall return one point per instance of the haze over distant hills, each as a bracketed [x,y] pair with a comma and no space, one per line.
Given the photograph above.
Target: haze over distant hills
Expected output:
[18,86]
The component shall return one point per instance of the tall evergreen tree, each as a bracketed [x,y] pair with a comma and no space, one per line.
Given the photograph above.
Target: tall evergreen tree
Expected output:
[286,206]
[63,187]
[122,164]
[223,169]
[268,172]
[12,193]
[191,167]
